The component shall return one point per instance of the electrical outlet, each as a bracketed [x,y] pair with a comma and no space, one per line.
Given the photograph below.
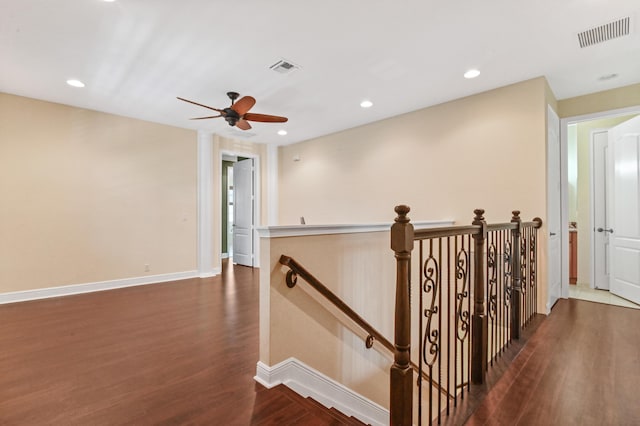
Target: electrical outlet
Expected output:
[146,267]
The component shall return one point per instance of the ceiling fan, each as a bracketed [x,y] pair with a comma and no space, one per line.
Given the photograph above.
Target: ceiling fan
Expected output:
[238,113]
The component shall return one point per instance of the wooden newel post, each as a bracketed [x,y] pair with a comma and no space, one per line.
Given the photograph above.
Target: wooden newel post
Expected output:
[401,404]
[516,281]
[479,320]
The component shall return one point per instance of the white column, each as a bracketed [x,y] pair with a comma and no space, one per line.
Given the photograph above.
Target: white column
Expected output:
[205,204]
[272,185]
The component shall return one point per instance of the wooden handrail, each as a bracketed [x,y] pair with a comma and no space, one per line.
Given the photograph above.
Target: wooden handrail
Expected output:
[445,231]
[296,269]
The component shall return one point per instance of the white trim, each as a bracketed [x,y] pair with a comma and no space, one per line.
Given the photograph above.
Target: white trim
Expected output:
[212,273]
[603,114]
[564,213]
[68,290]
[204,196]
[257,206]
[592,208]
[551,118]
[302,230]
[308,382]
[272,185]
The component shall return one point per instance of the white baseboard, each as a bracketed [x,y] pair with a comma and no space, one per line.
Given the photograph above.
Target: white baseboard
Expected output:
[68,290]
[308,382]
[211,273]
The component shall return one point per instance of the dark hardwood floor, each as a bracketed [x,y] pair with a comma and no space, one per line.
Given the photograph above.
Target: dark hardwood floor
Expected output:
[176,353]
[581,367]
[185,352]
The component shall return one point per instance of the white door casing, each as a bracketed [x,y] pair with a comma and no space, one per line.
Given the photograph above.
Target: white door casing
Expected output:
[554,210]
[624,209]
[243,213]
[599,221]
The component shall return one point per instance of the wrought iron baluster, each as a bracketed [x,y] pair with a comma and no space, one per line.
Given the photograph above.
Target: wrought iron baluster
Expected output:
[462,292]
[431,340]
[491,292]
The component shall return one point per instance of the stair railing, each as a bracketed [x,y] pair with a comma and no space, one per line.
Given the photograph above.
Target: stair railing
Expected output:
[493,265]
[296,269]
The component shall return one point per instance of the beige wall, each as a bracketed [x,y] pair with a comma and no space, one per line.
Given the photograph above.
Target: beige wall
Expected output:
[486,150]
[360,269]
[628,96]
[87,196]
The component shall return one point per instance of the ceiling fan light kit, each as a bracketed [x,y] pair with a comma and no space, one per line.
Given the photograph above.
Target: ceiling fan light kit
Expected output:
[238,114]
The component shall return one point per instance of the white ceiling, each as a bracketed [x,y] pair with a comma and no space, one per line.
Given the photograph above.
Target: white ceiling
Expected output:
[136,56]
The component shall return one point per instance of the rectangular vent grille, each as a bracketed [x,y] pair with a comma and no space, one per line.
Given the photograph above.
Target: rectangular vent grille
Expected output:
[604,33]
[284,67]
[241,133]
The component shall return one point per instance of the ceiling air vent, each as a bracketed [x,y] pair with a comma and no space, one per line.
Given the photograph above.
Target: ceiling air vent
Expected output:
[604,32]
[240,133]
[284,67]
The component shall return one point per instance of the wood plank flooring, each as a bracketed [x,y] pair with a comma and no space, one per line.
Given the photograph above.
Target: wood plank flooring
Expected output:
[185,352]
[581,367]
[176,353]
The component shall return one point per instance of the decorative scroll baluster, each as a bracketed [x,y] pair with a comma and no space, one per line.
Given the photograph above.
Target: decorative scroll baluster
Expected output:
[401,382]
[492,299]
[516,285]
[462,316]
[533,279]
[454,332]
[524,290]
[479,318]
[507,287]
[462,281]
[431,337]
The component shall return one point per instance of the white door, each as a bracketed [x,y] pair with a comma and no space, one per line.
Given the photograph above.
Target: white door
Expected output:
[624,209]
[554,212]
[243,212]
[600,237]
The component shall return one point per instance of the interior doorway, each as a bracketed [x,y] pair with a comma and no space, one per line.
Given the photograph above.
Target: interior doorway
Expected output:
[586,149]
[240,203]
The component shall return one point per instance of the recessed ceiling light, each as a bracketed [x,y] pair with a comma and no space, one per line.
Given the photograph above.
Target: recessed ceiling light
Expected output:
[366,104]
[75,83]
[282,132]
[109,1]
[473,73]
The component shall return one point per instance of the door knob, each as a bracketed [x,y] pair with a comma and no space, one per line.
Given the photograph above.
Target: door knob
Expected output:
[551,234]
[605,230]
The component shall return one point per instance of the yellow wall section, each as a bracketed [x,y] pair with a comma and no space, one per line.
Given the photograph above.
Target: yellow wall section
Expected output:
[622,97]
[87,196]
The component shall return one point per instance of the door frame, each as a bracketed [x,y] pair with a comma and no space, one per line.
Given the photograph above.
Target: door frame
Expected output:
[564,181]
[559,203]
[256,198]
[592,206]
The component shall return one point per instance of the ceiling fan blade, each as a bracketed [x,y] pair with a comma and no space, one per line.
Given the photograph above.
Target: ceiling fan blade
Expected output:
[265,118]
[205,106]
[204,118]
[242,124]
[243,105]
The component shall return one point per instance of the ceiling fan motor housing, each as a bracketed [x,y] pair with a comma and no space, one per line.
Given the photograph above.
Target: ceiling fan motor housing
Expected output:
[231,116]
